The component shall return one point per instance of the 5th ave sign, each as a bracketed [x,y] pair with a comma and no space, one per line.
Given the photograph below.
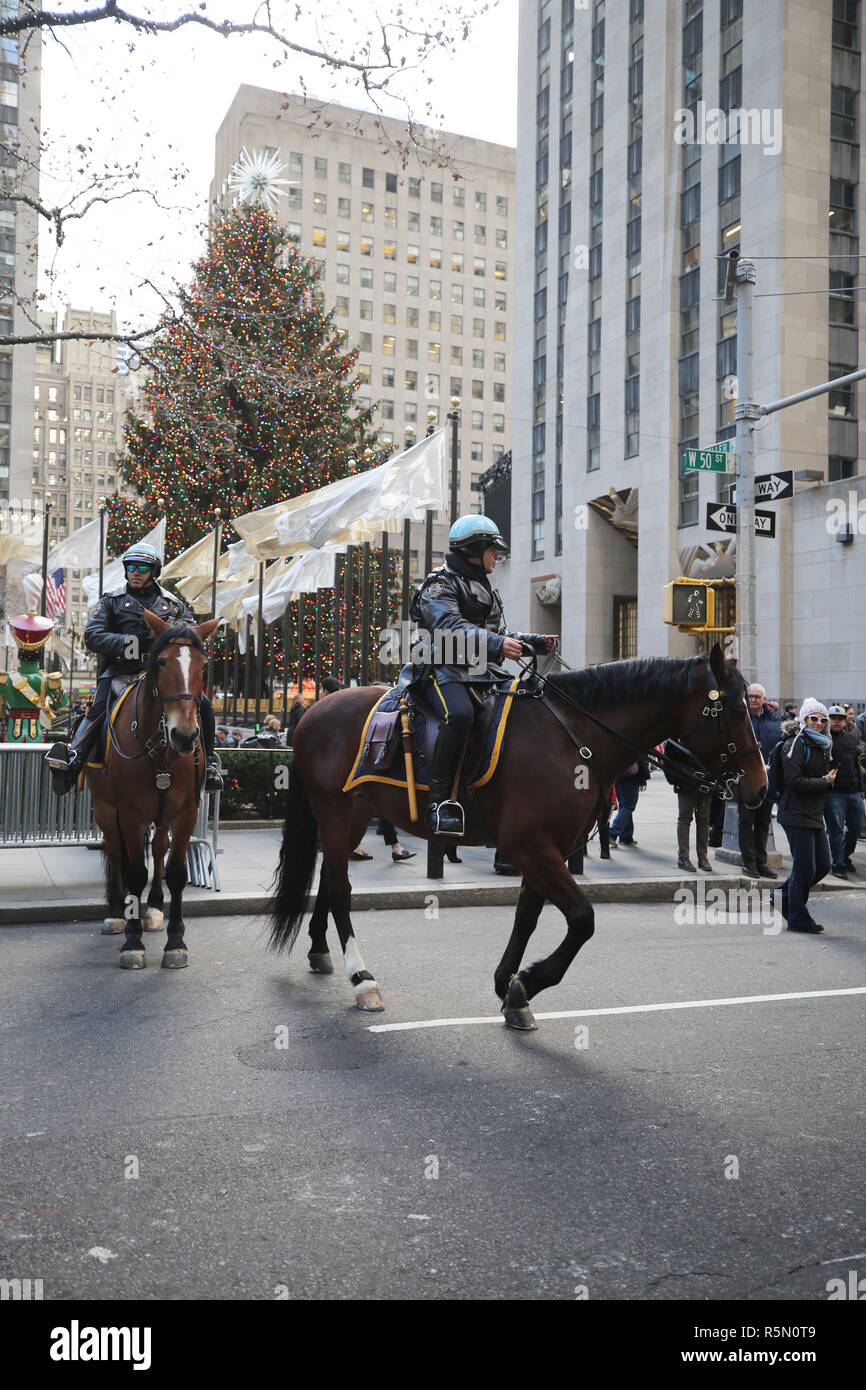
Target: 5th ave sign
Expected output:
[722,518]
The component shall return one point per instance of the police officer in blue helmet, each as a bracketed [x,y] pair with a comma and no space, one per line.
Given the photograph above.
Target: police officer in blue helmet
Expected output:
[114,620]
[458,603]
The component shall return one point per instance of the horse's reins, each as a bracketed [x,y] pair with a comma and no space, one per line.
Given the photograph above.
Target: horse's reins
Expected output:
[712,710]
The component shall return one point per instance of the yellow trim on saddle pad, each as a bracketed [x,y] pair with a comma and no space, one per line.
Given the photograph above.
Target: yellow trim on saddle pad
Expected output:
[112,715]
[354,780]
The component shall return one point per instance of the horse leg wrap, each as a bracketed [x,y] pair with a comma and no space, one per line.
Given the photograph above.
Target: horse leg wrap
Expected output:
[359,975]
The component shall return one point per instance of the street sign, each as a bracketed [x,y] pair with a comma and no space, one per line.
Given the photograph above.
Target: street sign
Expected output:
[722,518]
[719,458]
[773,487]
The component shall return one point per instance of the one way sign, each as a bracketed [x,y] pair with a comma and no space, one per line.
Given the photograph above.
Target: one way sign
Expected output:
[722,518]
[773,487]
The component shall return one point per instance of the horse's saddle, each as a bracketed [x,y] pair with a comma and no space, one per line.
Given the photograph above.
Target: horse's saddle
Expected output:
[120,688]
[377,759]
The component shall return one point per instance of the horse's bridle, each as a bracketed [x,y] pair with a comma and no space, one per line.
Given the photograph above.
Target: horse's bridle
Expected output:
[702,781]
[158,741]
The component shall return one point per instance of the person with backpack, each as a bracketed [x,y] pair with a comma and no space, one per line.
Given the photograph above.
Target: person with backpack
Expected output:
[802,766]
[754,823]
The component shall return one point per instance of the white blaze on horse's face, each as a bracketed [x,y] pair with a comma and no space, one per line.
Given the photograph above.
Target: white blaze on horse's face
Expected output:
[180,715]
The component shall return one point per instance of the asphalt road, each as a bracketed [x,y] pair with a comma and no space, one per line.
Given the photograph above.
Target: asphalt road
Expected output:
[235,1131]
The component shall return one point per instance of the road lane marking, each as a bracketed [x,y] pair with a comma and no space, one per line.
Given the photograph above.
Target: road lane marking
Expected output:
[625,1009]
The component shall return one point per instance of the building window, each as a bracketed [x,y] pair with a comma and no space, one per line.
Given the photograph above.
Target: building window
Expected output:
[499,330]
[318,236]
[390,217]
[342,274]
[412,254]
[414,188]
[412,347]
[388,345]
[624,629]
[342,306]
[368,178]
[478,419]
[457,324]
[366,246]
[843,215]
[436,226]
[478,328]
[457,262]
[499,424]
[842,297]
[296,163]
[435,290]
[413,286]
[480,202]
[388,376]
[435,258]
[498,390]
[436,193]
[840,401]
[344,173]
[838,468]
[432,352]
[478,359]
[500,270]
[411,316]
[389,313]
[366,308]
[456,355]
[434,321]
[387,409]
[389,282]
[480,234]
[479,266]
[456,294]
[390,183]
[411,381]
[477,389]
[390,250]
[366,279]
[457,230]
[363,374]
[365,342]
[499,361]
[320,203]
[501,207]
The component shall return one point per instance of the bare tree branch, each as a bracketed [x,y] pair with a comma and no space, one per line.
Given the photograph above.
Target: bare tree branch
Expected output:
[33,18]
[58,215]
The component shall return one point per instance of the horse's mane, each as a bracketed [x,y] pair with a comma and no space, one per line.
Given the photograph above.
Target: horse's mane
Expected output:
[177,632]
[618,682]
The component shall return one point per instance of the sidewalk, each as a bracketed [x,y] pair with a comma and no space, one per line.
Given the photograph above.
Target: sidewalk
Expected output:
[41,885]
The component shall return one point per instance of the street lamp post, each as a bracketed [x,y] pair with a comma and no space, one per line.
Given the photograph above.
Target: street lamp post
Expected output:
[46,531]
[216,555]
[101,505]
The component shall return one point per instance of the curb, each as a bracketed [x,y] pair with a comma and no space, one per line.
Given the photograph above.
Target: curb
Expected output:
[654,890]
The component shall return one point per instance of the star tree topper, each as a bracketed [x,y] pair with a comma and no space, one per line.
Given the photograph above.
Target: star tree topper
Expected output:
[255,179]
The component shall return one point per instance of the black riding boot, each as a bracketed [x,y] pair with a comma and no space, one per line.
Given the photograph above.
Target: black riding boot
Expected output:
[444,816]
[213,782]
[67,760]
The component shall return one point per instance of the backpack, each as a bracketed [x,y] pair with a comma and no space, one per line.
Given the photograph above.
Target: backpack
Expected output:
[776,768]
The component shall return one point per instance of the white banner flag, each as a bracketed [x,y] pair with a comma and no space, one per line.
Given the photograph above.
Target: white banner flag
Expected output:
[79,551]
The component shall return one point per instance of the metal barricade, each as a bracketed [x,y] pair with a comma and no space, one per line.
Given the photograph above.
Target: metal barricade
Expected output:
[32,817]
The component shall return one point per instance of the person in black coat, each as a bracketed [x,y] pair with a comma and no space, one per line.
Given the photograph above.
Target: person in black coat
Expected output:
[807,776]
[691,803]
[843,806]
[754,822]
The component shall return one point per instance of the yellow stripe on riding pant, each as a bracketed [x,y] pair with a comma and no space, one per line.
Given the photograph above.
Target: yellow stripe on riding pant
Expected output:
[441,697]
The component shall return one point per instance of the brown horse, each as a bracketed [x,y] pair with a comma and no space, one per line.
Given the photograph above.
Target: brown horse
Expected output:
[535,806]
[155,767]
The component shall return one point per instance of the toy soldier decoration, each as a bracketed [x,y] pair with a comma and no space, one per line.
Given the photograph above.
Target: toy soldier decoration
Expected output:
[29,697]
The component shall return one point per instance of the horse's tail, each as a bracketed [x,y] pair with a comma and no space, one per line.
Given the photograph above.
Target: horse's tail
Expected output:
[294,876]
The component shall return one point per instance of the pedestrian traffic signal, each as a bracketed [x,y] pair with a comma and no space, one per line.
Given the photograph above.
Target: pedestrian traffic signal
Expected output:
[690,603]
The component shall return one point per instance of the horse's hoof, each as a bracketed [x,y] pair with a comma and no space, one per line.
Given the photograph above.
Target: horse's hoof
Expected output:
[320,962]
[176,959]
[368,998]
[153,919]
[113,926]
[131,960]
[516,1010]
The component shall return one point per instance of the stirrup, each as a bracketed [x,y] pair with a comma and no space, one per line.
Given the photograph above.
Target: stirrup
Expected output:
[453,809]
[58,756]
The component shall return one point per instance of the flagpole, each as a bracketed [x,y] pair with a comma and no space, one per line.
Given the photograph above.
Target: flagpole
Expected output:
[260,655]
[101,503]
[216,552]
[46,528]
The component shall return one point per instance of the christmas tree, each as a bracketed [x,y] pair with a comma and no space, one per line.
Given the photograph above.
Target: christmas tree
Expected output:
[249,397]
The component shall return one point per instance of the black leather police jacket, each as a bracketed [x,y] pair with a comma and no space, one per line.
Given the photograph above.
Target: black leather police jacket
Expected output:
[120,615]
[451,603]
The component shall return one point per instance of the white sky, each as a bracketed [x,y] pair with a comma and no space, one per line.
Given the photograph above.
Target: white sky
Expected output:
[163,102]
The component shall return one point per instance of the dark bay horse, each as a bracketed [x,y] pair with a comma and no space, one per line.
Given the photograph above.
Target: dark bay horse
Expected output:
[155,770]
[535,806]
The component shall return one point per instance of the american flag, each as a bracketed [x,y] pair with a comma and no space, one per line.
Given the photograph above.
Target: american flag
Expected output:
[55,595]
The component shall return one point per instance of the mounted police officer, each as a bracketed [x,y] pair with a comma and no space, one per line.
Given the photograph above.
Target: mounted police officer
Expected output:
[456,604]
[117,632]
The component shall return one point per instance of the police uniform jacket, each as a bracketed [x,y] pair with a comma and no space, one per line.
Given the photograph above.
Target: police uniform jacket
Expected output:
[120,615]
[457,597]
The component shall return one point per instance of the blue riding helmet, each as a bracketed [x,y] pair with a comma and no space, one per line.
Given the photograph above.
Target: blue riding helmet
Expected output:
[142,554]
[473,534]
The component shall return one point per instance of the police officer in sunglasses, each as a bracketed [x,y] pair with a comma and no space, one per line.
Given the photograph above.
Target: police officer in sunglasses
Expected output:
[116,630]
